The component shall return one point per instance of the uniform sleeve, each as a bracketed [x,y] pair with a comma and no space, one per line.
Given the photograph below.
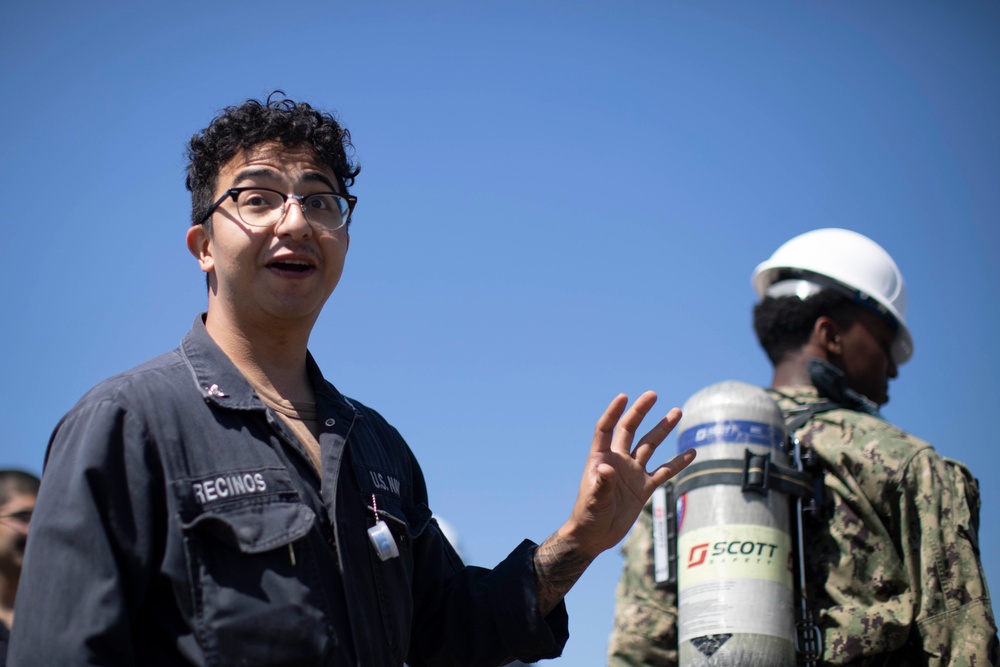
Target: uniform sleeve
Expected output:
[939,535]
[443,613]
[467,615]
[88,552]
[645,624]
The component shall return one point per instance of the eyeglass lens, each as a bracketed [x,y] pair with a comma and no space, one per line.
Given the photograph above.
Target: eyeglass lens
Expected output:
[19,517]
[263,208]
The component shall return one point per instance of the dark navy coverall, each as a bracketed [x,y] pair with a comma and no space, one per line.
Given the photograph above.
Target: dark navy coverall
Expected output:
[180,522]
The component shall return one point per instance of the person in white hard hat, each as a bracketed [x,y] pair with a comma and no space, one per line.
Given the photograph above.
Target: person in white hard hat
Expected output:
[855,282]
[893,573]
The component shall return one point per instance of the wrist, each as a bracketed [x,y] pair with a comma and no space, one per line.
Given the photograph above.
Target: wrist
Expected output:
[573,544]
[559,563]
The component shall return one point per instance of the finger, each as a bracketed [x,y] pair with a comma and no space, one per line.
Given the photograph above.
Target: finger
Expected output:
[627,425]
[671,468]
[649,442]
[604,432]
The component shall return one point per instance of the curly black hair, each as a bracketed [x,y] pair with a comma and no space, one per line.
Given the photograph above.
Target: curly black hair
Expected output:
[784,324]
[244,127]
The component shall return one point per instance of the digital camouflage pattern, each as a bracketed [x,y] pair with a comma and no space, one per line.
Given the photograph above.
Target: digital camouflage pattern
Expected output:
[645,626]
[893,566]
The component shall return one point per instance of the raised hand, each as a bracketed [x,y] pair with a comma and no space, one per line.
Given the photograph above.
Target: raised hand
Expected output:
[613,490]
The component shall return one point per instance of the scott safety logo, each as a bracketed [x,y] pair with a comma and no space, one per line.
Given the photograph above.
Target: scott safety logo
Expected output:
[735,549]
[698,553]
[731,552]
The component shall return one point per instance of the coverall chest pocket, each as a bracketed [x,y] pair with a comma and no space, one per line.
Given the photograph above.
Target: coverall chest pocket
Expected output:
[257,592]
[394,577]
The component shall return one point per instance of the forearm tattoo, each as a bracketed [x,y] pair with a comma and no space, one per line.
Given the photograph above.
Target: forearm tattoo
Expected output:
[558,567]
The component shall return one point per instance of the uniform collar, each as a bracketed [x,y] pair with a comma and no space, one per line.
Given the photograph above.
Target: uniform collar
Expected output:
[831,383]
[828,385]
[326,392]
[219,381]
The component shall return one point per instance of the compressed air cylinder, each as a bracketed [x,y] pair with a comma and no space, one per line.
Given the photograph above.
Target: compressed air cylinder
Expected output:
[734,555]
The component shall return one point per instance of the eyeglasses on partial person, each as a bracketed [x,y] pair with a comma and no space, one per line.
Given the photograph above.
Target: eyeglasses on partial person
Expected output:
[22,518]
[263,207]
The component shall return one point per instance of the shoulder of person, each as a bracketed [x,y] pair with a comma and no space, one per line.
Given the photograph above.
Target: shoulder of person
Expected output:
[162,372]
[127,403]
[868,433]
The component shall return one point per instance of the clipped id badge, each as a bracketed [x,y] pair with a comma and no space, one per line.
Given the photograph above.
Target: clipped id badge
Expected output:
[381,536]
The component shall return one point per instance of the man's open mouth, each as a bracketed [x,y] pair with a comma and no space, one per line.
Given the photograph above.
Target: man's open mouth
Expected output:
[291,265]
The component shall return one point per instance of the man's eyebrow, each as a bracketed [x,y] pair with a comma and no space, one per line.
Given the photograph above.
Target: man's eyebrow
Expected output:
[255,173]
[316,176]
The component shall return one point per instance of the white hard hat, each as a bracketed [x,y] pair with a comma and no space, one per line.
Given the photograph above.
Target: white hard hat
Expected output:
[844,260]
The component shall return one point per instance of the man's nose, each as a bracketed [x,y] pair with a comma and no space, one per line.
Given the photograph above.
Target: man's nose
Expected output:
[293,220]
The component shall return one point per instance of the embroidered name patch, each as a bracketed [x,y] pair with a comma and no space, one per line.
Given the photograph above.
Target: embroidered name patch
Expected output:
[227,486]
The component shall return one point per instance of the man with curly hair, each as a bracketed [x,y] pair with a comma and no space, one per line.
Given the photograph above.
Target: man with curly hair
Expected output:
[892,559]
[225,504]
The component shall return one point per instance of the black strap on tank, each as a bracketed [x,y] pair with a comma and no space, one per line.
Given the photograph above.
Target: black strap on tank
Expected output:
[808,636]
[755,473]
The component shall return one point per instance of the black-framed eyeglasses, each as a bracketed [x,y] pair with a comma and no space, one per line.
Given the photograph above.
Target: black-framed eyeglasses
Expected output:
[263,207]
[23,517]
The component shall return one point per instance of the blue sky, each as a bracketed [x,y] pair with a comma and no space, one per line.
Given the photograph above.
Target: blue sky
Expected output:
[559,201]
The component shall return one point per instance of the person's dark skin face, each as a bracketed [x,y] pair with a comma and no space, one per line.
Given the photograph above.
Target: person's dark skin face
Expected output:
[863,354]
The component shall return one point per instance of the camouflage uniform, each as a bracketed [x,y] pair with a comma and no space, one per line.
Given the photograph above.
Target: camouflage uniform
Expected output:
[893,564]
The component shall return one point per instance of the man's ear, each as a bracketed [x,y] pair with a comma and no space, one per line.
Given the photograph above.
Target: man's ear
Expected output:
[199,243]
[826,334]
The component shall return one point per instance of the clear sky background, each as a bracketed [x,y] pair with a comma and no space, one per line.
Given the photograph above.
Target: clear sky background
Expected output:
[559,201]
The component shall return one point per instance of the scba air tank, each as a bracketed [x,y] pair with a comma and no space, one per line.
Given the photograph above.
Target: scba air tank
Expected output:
[734,553]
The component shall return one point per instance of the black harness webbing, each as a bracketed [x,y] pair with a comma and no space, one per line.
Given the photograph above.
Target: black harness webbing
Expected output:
[808,637]
[754,472]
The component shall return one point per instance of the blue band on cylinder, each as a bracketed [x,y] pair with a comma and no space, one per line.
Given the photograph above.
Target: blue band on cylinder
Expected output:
[735,432]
